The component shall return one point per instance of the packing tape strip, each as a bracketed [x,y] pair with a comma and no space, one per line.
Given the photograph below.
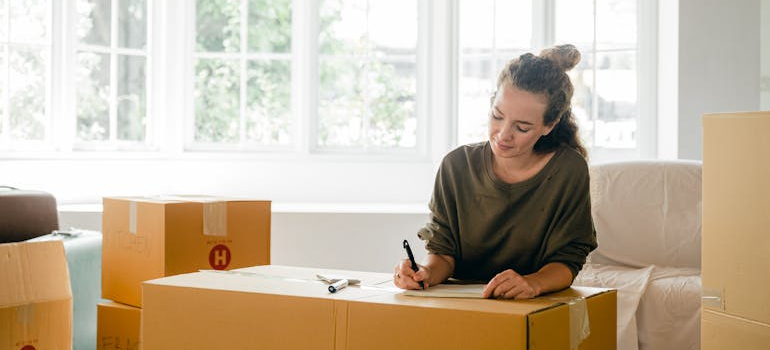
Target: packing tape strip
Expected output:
[132,217]
[579,325]
[713,298]
[215,218]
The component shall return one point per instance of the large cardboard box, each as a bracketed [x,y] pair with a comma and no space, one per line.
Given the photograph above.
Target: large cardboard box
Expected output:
[722,331]
[35,297]
[736,214]
[151,237]
[278,307]
[118,326]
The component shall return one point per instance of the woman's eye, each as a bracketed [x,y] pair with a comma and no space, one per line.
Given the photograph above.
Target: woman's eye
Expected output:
[521,129]
[496,117]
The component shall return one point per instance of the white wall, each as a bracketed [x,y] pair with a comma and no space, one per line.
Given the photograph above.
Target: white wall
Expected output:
[718,64]
[330,236]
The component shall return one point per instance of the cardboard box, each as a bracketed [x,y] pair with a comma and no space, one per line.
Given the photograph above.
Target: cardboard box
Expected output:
[736,220]
[278,307]
[147,238]
[35,297]
[722,331]
[118,326]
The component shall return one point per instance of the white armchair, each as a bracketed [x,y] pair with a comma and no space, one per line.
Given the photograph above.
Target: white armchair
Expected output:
[648,224]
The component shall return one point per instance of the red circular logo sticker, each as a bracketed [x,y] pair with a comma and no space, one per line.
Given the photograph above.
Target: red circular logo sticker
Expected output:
[28,347]
[219,258]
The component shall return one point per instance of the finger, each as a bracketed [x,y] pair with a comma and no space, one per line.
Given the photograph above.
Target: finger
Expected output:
[399,278]
[490,287]
[502,288]
[410,283]
[512,293]
[405,282]
[522,290]
[494,283]
[421,275]
[405,268]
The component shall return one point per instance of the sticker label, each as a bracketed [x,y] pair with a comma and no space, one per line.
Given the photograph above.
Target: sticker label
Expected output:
[219,257]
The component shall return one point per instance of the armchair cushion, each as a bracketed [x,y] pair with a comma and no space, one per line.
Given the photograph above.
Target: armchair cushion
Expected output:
[647,213]
[26,214]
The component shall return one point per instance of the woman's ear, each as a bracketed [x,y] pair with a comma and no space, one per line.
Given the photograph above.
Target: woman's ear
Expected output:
[548,129]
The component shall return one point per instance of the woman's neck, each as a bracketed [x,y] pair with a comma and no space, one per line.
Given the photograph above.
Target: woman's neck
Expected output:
[521,168]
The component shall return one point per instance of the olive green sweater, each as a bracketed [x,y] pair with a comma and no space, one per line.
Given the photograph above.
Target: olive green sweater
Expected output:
[489,226]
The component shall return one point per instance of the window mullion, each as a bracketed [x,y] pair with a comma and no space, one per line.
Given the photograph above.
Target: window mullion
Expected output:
[366,63]
[113,136]
[243,74]
[188,121]
[304,74]
[150,80]
[425,49]
[647,61]
[543,24]
[5,119]
[594,93]
[495,55]
[5,72]
[66,117]
[55,75]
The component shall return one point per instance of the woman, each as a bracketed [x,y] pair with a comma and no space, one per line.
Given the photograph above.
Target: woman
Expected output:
[514,210]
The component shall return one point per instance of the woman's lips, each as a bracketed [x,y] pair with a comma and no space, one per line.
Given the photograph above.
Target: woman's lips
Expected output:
[503,147]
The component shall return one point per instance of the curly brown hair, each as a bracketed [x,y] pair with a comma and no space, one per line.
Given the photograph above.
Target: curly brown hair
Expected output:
[546,74]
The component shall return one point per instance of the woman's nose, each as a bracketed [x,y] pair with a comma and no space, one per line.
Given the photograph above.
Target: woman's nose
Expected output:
[506,132]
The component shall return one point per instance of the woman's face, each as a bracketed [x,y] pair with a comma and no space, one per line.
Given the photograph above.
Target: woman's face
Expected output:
[516,122]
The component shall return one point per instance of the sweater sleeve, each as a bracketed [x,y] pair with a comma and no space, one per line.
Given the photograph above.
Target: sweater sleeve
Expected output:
[439,232]
[573,235]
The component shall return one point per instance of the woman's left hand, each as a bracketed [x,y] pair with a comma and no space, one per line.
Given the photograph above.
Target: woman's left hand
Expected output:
[510,285]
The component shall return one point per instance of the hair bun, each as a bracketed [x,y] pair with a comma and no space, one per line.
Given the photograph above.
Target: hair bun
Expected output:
[565,56]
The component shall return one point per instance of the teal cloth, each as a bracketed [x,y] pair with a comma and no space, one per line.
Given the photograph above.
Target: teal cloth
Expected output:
[84,261]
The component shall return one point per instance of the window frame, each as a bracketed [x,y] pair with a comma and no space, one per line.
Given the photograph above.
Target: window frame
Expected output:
[296,174]
[67,52]
[7,142]
[304,96]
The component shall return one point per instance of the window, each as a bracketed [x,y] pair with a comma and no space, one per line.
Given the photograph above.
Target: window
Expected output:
[606,102]
[367,74]
[25,54]
[364,96]
[242,69]
[112,64]
[353,92]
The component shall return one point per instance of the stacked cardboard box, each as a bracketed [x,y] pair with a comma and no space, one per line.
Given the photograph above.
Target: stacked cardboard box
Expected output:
[152,237]
[279,307]
[736,231]
[35,297]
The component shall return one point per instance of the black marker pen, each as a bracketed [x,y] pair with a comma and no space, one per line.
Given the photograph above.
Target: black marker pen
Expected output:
[411,258]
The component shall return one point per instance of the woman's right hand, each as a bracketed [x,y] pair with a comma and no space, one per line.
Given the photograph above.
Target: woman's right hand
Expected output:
[406,278]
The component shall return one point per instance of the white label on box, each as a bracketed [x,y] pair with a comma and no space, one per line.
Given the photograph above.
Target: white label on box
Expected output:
[132,217]
[215,218]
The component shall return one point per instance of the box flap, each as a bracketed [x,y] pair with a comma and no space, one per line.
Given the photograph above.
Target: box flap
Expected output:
[277,280]
[514,307]
[33,272]
[181,198]
[724,331]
